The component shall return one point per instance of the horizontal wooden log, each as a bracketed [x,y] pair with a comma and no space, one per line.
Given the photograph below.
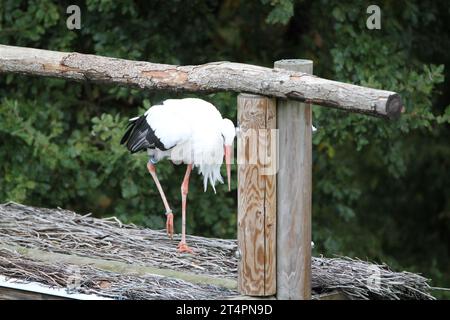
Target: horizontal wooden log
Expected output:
[210,77]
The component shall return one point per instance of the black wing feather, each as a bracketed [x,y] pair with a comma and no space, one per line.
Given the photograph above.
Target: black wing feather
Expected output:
[140,136]
[127,133]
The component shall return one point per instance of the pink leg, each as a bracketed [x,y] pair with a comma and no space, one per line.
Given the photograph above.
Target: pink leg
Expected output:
[169,222]
[182,246]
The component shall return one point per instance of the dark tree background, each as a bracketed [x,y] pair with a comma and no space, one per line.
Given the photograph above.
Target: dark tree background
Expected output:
[381,189]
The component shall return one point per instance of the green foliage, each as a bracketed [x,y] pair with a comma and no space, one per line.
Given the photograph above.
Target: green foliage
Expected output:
[381,188]
[281,13]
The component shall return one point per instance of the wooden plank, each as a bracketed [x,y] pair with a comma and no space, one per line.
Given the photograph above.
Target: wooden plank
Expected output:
[20,289]
[210,77]
[294,193]
[256,196]
[335,295]
[242,297]
[270,202]
[15,294]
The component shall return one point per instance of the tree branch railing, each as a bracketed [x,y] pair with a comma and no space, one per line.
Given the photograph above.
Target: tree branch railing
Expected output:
[210,77]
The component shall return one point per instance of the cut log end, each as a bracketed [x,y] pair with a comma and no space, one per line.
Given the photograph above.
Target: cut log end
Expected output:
[394,106]
[300,65]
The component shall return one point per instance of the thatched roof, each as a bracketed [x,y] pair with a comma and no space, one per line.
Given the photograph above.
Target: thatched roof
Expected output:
[60,248]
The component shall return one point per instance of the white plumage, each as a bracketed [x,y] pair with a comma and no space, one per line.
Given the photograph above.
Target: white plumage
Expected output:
[190,131]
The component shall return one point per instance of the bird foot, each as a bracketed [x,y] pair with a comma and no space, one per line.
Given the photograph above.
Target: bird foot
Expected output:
[169,225]
[183,247]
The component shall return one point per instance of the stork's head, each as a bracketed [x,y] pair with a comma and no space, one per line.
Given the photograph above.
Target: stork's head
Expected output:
[228,133]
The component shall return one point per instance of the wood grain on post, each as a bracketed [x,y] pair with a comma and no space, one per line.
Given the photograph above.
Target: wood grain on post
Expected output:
[294,196]
[256,195]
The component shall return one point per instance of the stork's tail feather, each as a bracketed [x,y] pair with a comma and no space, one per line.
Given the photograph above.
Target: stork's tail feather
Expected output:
[211,174]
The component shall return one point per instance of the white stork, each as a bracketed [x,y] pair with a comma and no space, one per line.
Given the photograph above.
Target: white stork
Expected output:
[190,131]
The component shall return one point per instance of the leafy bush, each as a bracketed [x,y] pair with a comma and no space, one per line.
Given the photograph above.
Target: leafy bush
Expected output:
[381,189]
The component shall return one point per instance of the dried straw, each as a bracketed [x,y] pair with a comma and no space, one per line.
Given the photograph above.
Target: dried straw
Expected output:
[363,280]
[88,280]
[65,232]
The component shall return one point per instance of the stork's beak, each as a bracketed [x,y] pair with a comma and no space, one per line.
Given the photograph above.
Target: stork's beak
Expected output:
[228,150]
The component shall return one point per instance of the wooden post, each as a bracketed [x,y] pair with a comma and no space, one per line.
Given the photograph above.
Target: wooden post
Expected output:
[257,195]
[294,184]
